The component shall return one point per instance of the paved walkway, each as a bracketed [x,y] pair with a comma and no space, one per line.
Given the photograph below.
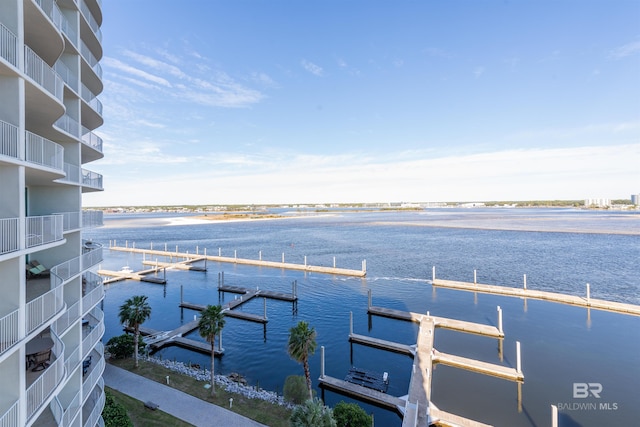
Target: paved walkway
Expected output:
[181,405]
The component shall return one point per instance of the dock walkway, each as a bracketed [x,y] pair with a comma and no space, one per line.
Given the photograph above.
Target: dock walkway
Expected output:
[246,261]
[586,302]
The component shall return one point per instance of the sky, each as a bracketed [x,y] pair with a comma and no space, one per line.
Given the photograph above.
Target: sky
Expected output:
[289,102]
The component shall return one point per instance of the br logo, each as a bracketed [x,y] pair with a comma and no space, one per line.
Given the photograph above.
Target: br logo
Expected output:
[584,390]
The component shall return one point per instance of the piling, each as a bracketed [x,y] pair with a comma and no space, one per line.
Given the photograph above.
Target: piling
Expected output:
[433,273]
[321,361]
[554,416]
[500,320]
[525,281]
[369,306]
[475,277]
[351,323]
[588,295]
[518,360]
[264,303]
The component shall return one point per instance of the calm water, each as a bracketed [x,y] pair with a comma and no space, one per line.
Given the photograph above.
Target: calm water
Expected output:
[558,250]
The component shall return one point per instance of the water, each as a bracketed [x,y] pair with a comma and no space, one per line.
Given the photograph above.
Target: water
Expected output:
[558,250]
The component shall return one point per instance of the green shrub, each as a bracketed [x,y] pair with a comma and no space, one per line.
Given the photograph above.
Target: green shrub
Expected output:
[351,415]
[312,413]
[295,389]
[121,347]
[114,414]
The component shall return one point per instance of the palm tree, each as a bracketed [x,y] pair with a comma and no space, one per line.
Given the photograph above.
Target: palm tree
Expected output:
[302,343]
[211,324]
[134,312]
[312,413]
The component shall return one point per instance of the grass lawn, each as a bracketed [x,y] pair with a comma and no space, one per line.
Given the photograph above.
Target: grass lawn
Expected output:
[143,417]
[256,409]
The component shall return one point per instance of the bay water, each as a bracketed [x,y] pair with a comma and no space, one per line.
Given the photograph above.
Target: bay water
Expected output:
[559,250]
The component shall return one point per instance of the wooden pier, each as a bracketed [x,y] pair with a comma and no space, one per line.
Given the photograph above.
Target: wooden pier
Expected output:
[235,260]
[526,293]
[181,265]
[159,339]
[416,406]
[141,276]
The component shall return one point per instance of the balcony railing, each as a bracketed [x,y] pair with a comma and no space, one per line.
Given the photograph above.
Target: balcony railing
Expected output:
[8,45]
[63,416]
[9,235]
[69,125]
[41,389]
[44,152]
[72,173]
[91,139]
[41,73]
[98,405]
[93,290]
[43,308]
[70,315]
[70,78]
[11,416]
[43,229]
[92,257]
[88,56]
[93,24]
[92,218]
[9,140]
[95,335]
[71,34]
[72,361]
[91,179]
[51,9]
[92,378]
[91,99]
[70,220]
[9,331]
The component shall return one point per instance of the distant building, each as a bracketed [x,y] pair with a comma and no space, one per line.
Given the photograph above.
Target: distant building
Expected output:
[635,199]
[600,203]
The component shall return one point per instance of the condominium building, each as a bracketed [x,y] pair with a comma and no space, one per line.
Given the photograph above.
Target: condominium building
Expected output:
[51,322]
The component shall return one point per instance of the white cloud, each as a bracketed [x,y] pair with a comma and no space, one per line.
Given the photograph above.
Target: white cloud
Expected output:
[121,66]
[478,71]
[626,50]
[312,68]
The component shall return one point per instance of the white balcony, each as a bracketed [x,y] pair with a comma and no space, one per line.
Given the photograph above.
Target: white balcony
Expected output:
[92,218]
[51,9]
[94,371]
[8,46]
[85,52]
[91,99]
[42,230]
[43,303]
[92,140]
[70,220]
[41,73]
[92,255]
[70,78]
[69,125]
[9,334]
[92,180]
[9,144]
[93,331]
[65,412]
[93,24]
[40,385]
[71,315]
[92,291]
[44,152]
[11,416]
[9,235]
[94,405]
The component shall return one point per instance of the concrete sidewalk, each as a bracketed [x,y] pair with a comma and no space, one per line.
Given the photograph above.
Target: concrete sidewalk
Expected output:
[175,402]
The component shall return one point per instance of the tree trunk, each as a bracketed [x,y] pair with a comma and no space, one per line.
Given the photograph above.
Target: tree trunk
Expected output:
[307,375]
[213,357]
[136,334]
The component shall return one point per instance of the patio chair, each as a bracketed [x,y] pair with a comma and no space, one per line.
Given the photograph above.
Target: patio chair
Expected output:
[41,360]
[43,271]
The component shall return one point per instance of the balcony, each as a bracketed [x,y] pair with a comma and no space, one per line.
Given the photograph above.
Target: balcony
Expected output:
[93,24]
[70,78]
[68,318]
[94,405]
[42,74]
[9,235]
[70,220]
[85,52]
[9,144]
[11,416]
[8,46]
[94,371]
[92,218]
[92,332]
[92,291]
[41,384]
[42,230]
[65,412]
[69,125]
[43,304]
[91,146]
[91,181]
[51,9]
[43,152]
[9,331]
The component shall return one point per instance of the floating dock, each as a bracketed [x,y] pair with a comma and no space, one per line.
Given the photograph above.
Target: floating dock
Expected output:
[141,276]
[416,406]
[158,339]
[526,293]
[235,260]
[372,380]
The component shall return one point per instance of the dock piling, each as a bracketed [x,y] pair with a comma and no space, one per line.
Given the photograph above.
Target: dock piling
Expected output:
[283,257]
[433,273]
[181,294]
[369,298]
[500,320]
[525,282]
[475,277]
[351,323]
[518,360]
[260,255]
[264,303]
[219,251]
[588,294]
[305,260]
[334,262]
[321,361]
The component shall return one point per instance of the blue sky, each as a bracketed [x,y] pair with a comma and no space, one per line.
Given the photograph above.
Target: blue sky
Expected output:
[216,102]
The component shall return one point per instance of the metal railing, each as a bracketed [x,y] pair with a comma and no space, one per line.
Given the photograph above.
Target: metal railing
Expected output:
[93,291]
[91,179]
[69,125]
[95,335]
[96,373]
[44,152]
[43,229]
[43,308]
[71,34]
[93,24]
[9,333]
[9,144]
[70,220]
[92,218]
[98,405]
[92,257]
[9,235]
[8,45]
[11,416]
[88,56]
[91,139]
[51,9]
[47,382]
[70,315]
[41,73]
[72,173]
[70,78]
[91,99]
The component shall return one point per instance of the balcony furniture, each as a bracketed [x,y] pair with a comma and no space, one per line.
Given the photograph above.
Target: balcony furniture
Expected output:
[38,353]
[86,363]
[35,269]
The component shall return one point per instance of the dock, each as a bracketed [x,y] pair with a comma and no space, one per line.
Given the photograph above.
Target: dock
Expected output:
[151,253]
[527,293]
[141,276]
[158,339]
[416,407]
[181,265]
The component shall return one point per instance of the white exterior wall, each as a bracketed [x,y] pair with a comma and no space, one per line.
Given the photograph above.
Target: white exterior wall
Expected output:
[50,78]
